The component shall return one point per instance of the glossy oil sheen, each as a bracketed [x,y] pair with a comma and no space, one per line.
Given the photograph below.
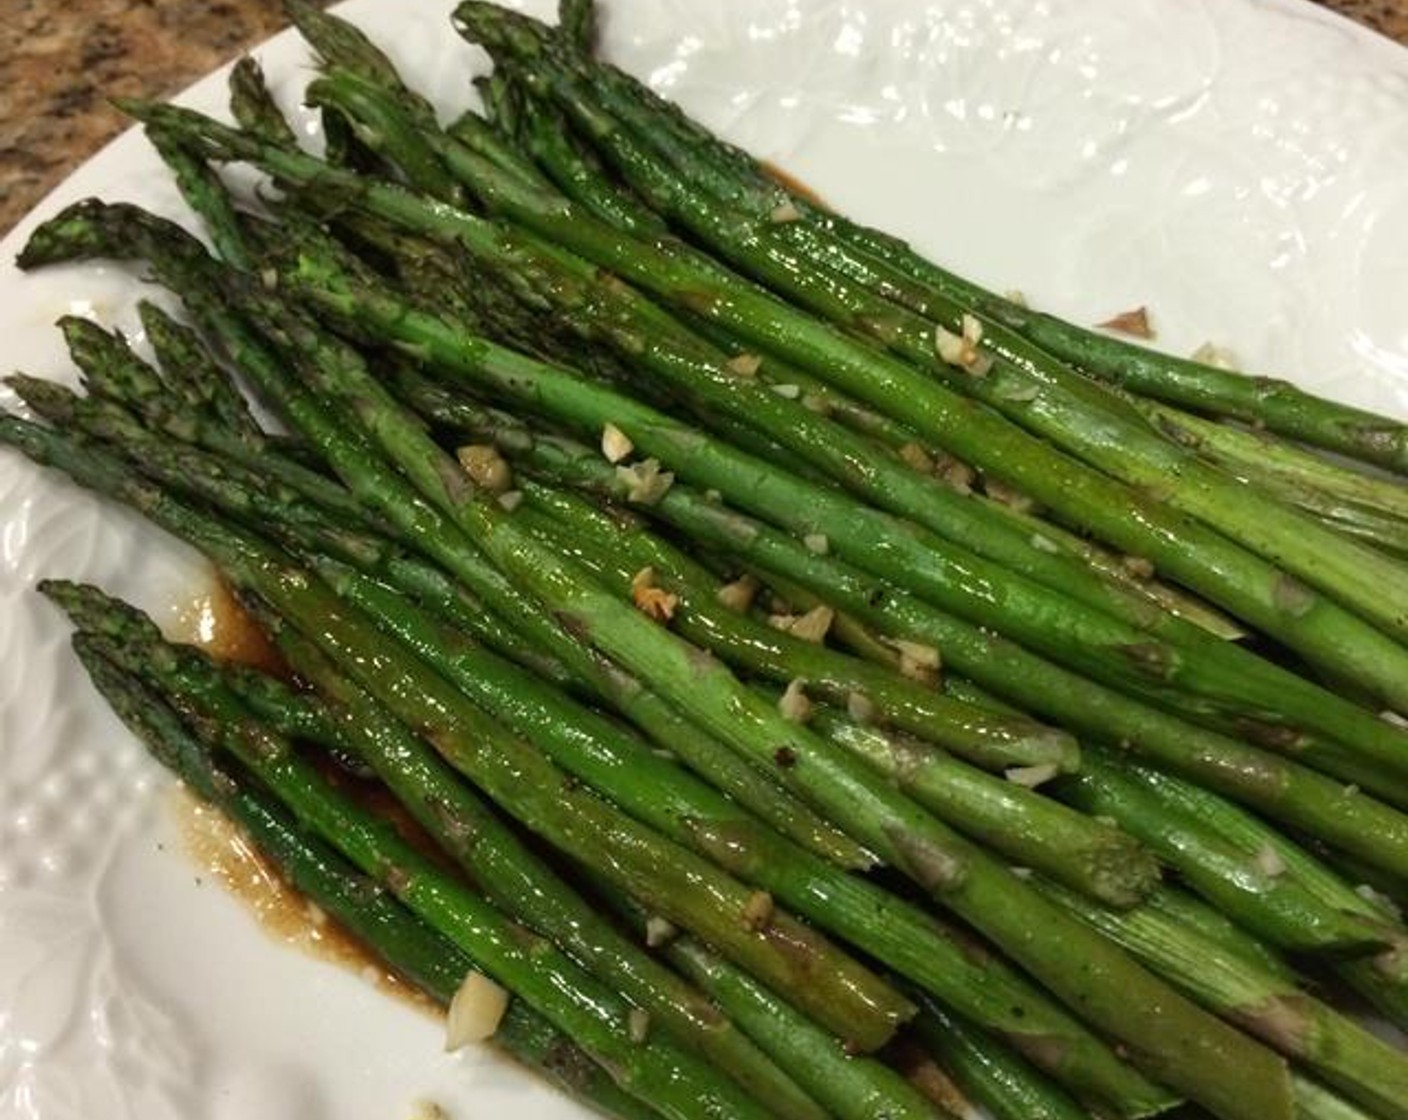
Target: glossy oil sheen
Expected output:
[1239,167]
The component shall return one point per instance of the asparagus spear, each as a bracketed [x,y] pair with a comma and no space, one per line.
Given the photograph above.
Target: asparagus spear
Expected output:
[998,1079]
[909,939]
[1280,789]
[1275,463]
[695,895]
[669,1078]
[265,504]
[1368,728]
[1334,1046]
[1085,853]
[408,947]
[622,548]
[253,106]
[905,939]
[1095,643]
[200,187]
[576,170]
[916,843]
[1383,980]
[194,376]
[576,23]
[1270,904]
[1076,414]
[1022,826]
[645,335]
[708,900]
[737,177]
[855,1087]
[509,875]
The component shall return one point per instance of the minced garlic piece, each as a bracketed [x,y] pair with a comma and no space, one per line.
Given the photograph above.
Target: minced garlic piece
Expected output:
[654,602]
[615,444]
[794,704]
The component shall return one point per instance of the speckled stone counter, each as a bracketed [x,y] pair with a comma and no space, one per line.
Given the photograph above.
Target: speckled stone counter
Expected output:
[59,62]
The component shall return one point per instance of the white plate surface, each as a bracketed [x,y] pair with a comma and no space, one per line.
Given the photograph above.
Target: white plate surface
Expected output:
[1239,167]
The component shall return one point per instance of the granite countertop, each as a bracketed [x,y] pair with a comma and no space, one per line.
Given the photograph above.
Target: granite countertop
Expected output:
[59,64]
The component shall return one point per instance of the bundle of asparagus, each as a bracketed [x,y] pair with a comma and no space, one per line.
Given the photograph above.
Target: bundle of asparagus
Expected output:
[811,670]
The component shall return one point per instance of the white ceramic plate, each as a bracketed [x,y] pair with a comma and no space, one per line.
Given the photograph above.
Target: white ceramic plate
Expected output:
[1240,167]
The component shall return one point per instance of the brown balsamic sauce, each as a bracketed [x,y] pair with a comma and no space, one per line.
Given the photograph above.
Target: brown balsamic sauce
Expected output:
[791,183]
[222,851]
[214,621]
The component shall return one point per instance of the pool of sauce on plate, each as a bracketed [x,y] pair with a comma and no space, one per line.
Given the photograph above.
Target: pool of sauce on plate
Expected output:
[790,182]
[214,621]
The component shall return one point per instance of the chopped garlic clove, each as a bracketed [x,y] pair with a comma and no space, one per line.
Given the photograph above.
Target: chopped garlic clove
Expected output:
[659,931]
[794,704]
[1269,862]
[652,601]
[757,911]
[739,595]
[814,625]
[645,482]
[486,468]
[1031,776]
[615,444]
[744,365]
[475,1012]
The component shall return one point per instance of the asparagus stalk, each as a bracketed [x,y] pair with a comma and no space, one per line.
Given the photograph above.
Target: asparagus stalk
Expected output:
[684,888]
[995,1077]
[577,172]
[621,549]
[201,188]
[937,859]
[1187,910]
[1315,1102]
[1094,858]
[1021,825]
[497,144]
[115,373]
[253,106]
[406,945]
[906,939]
[1172,1037]
[913,282]
[1279,463]
[1065,631]
[1077,415]
[1283,790]
[265,504]
[1383,979]
[855,1087]
[510,876]
[1095,643]
[576,23]
[270,504]
[194,376]
[1137,668]
[1336,1048]
[392,203]
[671,1079]
[1269,903]
[177,465]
